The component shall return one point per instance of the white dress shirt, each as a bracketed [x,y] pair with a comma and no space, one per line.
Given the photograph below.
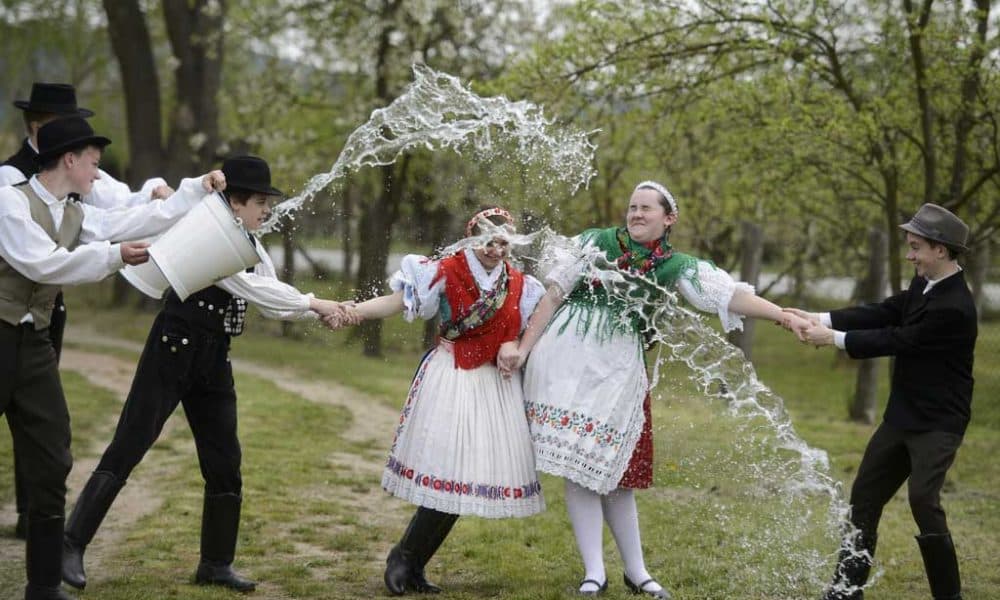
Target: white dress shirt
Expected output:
[26,247]
[262,288]
[107,192]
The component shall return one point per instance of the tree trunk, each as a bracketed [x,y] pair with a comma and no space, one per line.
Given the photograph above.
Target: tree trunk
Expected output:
[979,266]
[862,409]
[195,29]
[133,49]
[752,253]
[287,269]
[351,199]
[375,231]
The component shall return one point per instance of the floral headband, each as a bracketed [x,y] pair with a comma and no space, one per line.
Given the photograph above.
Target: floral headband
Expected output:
[652,185]
[484,214]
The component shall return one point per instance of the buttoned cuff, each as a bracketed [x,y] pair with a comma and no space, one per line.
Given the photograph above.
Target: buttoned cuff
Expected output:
[825,320]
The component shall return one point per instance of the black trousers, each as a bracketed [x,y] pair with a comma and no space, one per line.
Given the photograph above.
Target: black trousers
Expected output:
[57,327]
[31,397]
[894,456]
[186,364]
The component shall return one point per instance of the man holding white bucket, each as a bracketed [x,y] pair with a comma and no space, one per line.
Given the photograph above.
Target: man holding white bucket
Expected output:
[186,361]
[48,239]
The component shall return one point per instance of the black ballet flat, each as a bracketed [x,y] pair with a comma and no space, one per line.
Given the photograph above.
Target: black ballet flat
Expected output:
[661,594]
[601,587]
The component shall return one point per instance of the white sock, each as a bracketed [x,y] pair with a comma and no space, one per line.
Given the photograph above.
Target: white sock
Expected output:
[623,518]
[584,508]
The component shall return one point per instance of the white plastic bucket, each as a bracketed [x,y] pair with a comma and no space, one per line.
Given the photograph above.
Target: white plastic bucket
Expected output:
[204,246]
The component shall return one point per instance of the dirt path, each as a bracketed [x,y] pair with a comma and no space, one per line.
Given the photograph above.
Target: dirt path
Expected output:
[370,425]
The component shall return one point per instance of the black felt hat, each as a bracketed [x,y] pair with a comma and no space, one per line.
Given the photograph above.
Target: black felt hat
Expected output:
[54,98]
[65,135]
[249,174]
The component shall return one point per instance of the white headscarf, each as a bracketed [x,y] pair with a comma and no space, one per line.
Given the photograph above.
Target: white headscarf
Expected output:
[652,185]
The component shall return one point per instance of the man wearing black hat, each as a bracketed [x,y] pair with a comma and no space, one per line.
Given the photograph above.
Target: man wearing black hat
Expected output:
[49,101]
[48,239]
[931,330]
[186,361]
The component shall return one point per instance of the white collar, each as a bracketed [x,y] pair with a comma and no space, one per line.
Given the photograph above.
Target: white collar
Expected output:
[933,282]
[44,193]
[31,144]
[483,278]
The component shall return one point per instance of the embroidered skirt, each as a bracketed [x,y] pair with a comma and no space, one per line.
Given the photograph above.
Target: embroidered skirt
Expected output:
[584,399]
[463,445]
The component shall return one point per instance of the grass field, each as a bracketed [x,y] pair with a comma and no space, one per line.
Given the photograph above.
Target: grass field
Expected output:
[316,525]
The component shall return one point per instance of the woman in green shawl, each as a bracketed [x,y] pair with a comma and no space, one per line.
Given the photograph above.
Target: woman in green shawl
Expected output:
[586,388]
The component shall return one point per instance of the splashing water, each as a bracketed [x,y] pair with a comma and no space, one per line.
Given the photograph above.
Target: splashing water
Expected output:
[764,497]
[768,513]
[437,112]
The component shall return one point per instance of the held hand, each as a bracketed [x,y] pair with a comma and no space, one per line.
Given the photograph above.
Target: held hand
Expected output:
[818,335]
[134,253]
[213,180]
[796,325]
[812,317]
[162,192]
[509,358]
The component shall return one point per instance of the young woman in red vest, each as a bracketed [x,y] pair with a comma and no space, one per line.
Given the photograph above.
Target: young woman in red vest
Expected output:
[462,446]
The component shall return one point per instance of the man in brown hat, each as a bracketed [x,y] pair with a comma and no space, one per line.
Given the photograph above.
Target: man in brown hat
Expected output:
[50,101]
[48,239]
[931,330]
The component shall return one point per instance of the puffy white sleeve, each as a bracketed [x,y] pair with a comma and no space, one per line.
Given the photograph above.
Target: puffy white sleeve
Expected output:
[274,298]
[567,266]
[530,295]
[421,297]
[710,289]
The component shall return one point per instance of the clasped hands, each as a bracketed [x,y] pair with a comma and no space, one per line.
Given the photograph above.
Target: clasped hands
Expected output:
[807,327]
[335,315]
[510,358]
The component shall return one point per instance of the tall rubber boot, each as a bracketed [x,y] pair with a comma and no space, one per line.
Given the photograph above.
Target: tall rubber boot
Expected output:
[852,571]
[220,525]
[941,565]
[95,499]
[441,524]
[43,555]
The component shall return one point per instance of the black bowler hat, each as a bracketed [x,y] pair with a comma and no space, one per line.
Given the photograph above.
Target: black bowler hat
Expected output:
[54,98]
[65,135]
[249,174]
[939,224]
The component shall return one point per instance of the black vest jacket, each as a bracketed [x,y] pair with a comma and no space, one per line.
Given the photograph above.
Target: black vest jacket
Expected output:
[24,161]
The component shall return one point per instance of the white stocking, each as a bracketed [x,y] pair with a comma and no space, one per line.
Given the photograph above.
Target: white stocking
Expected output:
[584,508]
[623,518]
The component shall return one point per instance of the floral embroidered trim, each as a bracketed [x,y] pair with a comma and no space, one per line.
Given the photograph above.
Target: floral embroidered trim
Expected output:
[464,488]
[582,425]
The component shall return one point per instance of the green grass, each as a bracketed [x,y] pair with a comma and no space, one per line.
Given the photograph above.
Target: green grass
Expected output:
[314,528]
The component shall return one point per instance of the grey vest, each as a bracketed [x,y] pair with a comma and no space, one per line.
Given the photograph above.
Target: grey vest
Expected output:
[20,295]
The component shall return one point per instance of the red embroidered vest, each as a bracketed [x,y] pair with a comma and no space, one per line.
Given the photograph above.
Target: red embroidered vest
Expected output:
[480,345]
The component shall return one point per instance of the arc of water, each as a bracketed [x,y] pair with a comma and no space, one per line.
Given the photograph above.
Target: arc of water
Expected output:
[436,111]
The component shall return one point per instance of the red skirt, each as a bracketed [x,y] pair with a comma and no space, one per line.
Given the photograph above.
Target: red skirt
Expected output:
[639,473]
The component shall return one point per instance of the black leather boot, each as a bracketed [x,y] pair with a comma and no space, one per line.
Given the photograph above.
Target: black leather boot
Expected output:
[95,499]
[405,564]
[397,568]
[220,524]
[941,565]
[439,525]
[43,555]
[852,571]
